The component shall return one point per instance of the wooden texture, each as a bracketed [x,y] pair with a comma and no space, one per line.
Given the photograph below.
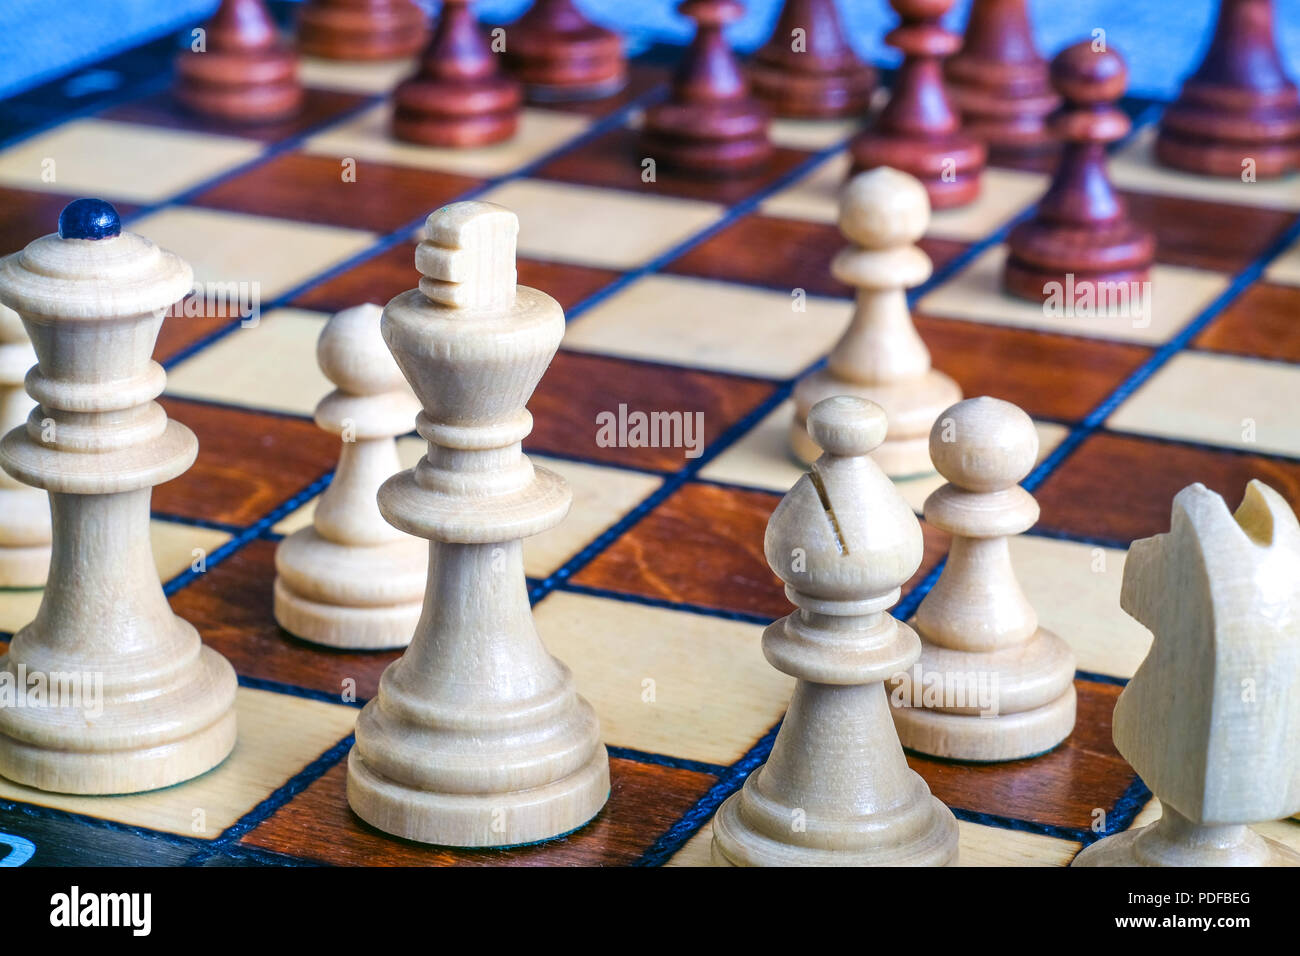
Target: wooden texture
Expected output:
[362,29]
[146,705]
[25,532]
[477,736]
[1200,234]
[710,125]
[808,68]
[1004,685]
[459,97]
[645,800]
[1209,720]
[1000,83]
[1239,113]
[309,188]
[350,579]
[559,55]
[880,357]
[1077,498]
[1081,228]
[244,72]
[768,251]
[836,788]
[1261,322]
[919,131]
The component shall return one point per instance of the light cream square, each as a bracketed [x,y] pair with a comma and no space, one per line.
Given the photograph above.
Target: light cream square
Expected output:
[1003,194]
[269,365]
[715,325]
[664,681]
[612,228]
[1134,167]
[358,76]
[275,254]
[367,136]
[176,547]
[279,734]
[1218,399]
[601,496]
[1177,295]
[142,164]
[1286,267]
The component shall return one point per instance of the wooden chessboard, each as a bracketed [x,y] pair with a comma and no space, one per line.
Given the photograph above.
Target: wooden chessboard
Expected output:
[680,297]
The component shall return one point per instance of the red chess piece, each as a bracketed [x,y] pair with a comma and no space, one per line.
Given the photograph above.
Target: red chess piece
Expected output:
[362,29]
[459,97]
[919,131]
[1239,105]
[560,55]
[1000,82]
[244,73]
[808,69]
[709,124]
[1080,234]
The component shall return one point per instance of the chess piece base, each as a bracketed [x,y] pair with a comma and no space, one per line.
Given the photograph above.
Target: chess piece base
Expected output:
[708,138]
[1219,158]
[926,836]
[456,115]
[479,819]
[986,739]
[355,597]
[948,166]
[46,748]
[1175,841]
[338,33]
[812,95]
[239,88]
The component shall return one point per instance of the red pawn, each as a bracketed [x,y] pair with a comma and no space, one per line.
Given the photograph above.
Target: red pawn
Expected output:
[362,29]
[709,124]
[1080,234]
[560,55]
[1239,106]
[919,131]
[813,72]
[1000,83]
[244,72]
[459,97]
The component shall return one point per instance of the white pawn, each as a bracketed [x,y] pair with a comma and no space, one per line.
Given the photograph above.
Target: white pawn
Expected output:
[351,579]
[880,357]
[990,683]
[1211,719]
[837,789]
[25,532]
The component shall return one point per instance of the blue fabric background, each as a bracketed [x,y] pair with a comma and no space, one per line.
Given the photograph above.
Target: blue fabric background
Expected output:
[1162,39]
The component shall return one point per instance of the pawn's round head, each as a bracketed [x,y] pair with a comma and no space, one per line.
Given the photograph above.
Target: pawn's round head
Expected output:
[983,444]
[353,355]
[883,208]
[1090,74]
[847,426]
[89,219]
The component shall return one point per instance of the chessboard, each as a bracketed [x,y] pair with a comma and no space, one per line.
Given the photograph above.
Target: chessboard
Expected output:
[708,298]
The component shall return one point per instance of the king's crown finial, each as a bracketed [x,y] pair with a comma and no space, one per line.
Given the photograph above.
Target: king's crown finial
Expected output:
[467,258]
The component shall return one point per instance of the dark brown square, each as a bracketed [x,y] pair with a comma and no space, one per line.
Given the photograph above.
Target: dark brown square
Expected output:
[1121,487]
[1219,236]
[645,800]
[783,254]
[249,463]
[319,107]
[1263,321]
[578,387]
[1062,788]
[704,546]
[614,160]
[392,272]
[309,188]
[231,604]
[1048,375]
[26,215]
